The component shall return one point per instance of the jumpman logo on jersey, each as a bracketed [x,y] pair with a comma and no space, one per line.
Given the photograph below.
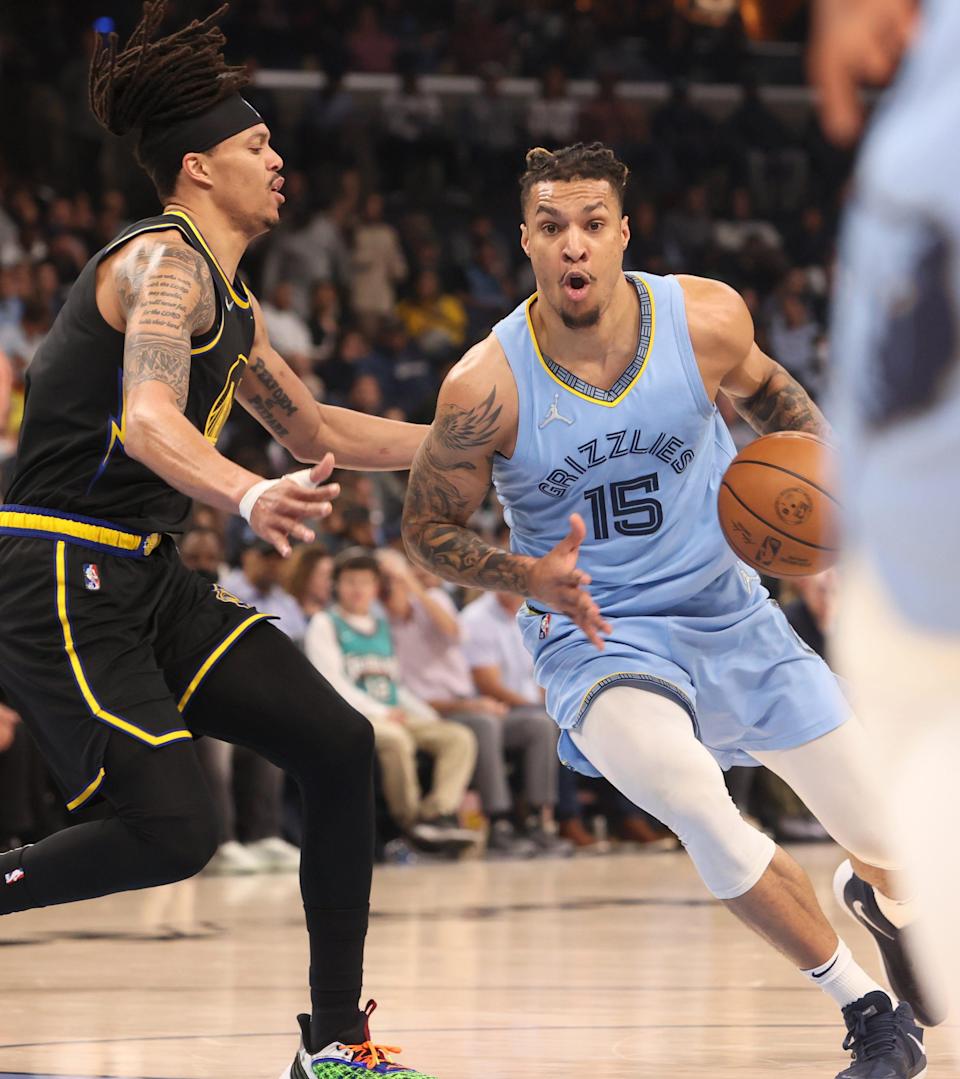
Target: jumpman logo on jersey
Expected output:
[553,413]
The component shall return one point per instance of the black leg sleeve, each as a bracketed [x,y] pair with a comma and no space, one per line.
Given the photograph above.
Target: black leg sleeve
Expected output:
[266,694]
[161,828]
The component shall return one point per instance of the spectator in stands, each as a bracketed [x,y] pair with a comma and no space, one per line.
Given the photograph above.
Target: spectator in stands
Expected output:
[371,48]
[411,384]
[412,142]
[688,230]
[491,292]
[326,321]
[377,265]
[491,134]
[733,233]
[308,577]
[614,120]
[795,334]
[553,117]
[427,637]
[502,669]
[289,331]
[351,645]
[306,246]
[434,319]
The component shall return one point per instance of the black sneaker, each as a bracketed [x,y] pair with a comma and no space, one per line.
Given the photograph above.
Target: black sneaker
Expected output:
[857,896]
[885,1043]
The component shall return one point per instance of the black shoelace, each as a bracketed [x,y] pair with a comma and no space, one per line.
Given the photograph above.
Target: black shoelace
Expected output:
[872,1035]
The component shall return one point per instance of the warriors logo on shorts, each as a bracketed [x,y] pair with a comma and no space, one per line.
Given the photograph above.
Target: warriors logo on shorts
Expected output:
[91,577]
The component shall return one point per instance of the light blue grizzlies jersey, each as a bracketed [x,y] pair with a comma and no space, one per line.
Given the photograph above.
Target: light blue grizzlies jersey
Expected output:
[895,340]
[641,462]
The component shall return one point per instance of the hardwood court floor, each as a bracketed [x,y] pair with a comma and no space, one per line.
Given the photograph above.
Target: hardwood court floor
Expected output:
[610,968]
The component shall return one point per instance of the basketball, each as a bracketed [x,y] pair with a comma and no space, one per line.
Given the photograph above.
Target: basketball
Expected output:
[776,506]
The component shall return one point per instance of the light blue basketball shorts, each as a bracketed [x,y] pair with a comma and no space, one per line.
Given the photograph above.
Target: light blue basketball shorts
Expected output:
[727,655]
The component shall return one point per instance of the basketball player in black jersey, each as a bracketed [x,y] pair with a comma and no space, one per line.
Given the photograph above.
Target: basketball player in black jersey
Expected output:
[113,653]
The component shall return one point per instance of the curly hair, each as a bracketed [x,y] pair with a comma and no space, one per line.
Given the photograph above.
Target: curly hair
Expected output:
[581,161]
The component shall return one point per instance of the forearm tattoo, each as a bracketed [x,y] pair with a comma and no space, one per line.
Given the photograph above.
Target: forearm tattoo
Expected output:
[274,399]
[442,494]
[782,404]
[167,295]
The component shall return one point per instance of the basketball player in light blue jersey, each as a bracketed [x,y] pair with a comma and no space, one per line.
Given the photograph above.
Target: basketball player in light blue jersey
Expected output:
[592,410]
[896,347]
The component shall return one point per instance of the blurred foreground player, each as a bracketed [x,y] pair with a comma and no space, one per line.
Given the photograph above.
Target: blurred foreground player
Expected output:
[598,393]
[896,346]
[111,650]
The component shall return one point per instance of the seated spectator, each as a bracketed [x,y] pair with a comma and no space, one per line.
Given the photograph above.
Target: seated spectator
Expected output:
[256,814]
[736,231]
[308,577]
[434,319]
[377,265]
[503,669]
[352,647]
[371,48]
[427,635]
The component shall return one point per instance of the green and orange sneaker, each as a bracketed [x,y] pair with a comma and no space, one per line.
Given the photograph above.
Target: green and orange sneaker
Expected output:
[348,1059]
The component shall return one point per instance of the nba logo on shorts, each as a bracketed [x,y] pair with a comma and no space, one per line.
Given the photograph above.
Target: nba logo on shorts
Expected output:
[544,627]
[91,577]
[12,878]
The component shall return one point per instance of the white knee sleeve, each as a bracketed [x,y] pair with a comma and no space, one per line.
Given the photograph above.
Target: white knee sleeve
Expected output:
[645,745]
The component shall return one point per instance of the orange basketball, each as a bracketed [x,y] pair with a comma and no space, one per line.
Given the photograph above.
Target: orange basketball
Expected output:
[776,504]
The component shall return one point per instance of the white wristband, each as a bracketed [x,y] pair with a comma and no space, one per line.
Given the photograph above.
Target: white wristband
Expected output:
[301,478]
[251,496]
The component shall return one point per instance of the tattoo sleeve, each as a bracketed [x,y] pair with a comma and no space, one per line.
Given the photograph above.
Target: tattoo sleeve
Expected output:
[449,478]
[782,404]
[167,295]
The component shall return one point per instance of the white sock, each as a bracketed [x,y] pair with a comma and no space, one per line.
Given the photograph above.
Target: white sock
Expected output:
[898,912]
[842,978]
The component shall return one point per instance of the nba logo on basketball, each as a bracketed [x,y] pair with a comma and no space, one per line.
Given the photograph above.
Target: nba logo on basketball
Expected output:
[544,627]
[91,577]
[12,878]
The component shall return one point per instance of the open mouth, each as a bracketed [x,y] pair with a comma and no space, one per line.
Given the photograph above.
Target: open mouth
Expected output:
[275,188]
[576,284]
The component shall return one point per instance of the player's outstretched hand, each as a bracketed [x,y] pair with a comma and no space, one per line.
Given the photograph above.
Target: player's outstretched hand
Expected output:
[282,507]
[556,581]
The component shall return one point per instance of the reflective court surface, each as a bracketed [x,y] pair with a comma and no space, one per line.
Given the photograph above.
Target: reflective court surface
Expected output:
[619,967]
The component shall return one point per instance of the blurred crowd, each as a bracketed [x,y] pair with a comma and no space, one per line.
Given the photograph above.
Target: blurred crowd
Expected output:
[653,38]
[398,249]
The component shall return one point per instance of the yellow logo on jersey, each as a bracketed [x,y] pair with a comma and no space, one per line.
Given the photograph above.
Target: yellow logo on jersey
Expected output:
[224,402]
[228,597]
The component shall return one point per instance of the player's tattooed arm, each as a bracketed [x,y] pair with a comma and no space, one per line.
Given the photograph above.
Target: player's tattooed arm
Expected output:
[450,476]
[780,403]
[167,296]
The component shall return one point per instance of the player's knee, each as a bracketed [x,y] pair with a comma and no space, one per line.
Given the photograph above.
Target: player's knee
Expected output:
[184,843]
[356,731]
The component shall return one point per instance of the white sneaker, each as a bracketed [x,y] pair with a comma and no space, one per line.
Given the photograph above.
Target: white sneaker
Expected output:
[232,859]
[275,855]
